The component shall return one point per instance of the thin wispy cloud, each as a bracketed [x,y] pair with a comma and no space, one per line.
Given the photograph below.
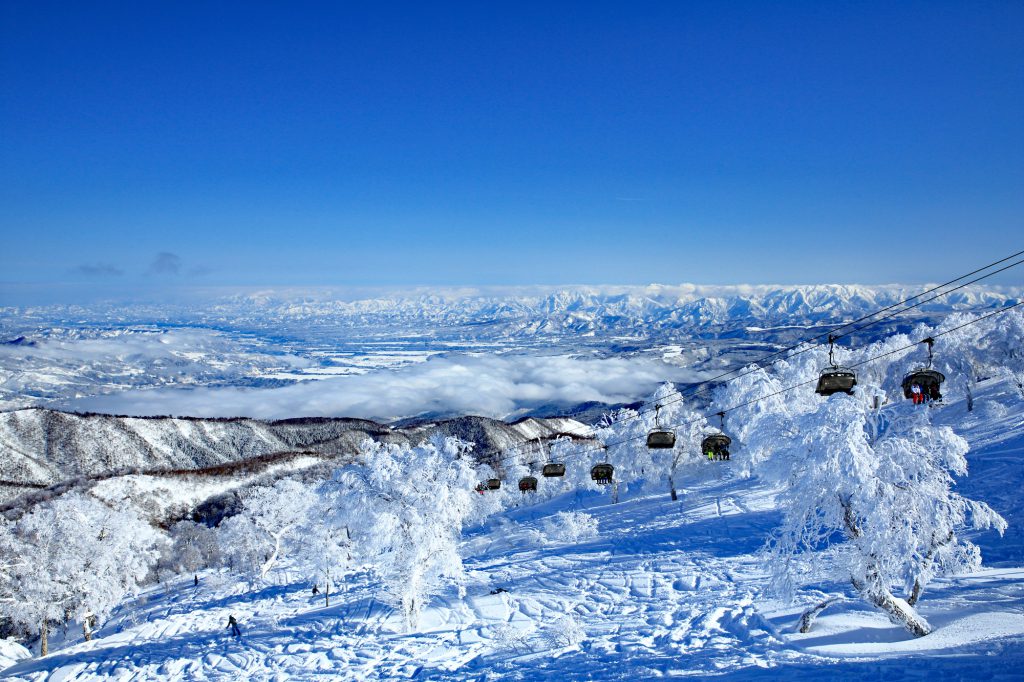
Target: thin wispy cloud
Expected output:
[165,263]
[98,270]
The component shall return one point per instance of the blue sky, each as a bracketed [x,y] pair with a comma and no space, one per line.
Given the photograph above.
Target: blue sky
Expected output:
[149,146]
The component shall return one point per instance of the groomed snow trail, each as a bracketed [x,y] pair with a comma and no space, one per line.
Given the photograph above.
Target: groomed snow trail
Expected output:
[667,589]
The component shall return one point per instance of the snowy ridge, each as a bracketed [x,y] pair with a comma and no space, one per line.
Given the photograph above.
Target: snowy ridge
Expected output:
[45,447]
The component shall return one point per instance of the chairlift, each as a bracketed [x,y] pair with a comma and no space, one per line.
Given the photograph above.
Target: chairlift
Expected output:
[550,469]
[528,484]
[553,470]
[603,474]
[835,379]
[716,445]
[493,483]
[929,380]
[659,438]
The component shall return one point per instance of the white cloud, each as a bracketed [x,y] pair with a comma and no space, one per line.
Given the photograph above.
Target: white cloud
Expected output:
[493,385]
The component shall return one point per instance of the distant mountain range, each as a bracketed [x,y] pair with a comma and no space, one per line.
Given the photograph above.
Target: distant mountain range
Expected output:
[634,311]
[53,356]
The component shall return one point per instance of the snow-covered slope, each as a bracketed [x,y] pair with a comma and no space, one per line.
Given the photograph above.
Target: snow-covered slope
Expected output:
[666,589]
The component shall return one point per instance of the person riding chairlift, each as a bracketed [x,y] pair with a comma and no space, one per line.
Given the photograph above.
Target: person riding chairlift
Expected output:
[917,395]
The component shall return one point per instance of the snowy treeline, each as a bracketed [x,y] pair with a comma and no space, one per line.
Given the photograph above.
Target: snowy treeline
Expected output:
[866,487]
[72,558]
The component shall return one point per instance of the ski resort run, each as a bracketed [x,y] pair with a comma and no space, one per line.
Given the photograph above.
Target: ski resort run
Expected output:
[842,536]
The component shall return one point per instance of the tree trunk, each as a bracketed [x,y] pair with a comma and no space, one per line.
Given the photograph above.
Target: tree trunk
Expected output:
[86,630]
[272,559]
[44,644]
[899,611]
[915,593]
[807,619]
[327,594]
[672,488]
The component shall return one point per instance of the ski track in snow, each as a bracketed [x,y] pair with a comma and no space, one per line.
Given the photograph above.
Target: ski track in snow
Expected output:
[667,589]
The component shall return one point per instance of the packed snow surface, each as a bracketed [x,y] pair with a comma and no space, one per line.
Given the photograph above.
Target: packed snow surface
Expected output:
[663,589]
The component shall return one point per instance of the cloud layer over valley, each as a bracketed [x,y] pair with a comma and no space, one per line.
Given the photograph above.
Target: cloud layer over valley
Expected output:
[495,386]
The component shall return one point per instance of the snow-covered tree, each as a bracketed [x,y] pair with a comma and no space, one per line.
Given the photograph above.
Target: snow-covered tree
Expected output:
[1007,351]
[406,507]
[277,510]
[626,431]
[325,550]
[78,559]
[193,547]
[570,526]
[880,482]
[243,546]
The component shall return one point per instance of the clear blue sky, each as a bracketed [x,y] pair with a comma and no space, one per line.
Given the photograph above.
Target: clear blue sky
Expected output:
[506,143]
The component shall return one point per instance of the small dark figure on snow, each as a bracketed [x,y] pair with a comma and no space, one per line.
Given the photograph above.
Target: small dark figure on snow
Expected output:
[233,624]
[195,580]
[316,590]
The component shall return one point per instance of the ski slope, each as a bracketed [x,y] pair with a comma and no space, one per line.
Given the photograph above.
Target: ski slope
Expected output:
[666,589]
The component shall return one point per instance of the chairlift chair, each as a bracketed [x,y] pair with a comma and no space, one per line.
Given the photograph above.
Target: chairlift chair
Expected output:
[659,438]
[835,379]
[718,445]
[603,474]
[553,469]
[927,378]
[528,484]
[493,483]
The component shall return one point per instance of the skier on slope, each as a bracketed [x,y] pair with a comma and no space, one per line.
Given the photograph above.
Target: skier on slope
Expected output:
[233,624]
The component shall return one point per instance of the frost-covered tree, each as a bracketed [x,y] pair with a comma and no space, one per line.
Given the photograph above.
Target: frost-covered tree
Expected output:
[406,507]
[78,559]
[193,547]
[253,540]
[570,526]
[277,510]
[325,549]
[866,494]
[243,546]
[1007,351]
[626,431]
